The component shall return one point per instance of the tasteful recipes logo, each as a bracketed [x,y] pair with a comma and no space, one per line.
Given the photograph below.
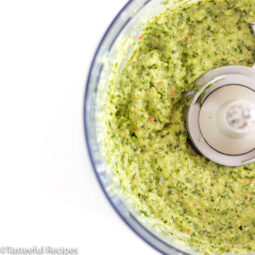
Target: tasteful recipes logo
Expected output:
[37,250]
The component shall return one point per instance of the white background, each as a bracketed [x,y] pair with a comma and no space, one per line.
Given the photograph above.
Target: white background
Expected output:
[48,191]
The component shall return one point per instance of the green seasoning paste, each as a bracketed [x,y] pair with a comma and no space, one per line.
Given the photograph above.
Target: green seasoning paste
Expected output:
[146,141]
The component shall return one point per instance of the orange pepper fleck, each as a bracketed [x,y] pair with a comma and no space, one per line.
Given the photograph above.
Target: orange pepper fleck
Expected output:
[141,36]
[186,37]
[214,179]
[172,94]
[151,120]
[188,230]
[249,180]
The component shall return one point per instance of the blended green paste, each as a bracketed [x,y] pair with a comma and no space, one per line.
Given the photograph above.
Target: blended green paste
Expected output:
[146,140]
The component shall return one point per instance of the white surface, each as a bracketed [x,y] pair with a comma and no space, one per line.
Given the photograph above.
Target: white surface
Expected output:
[48,192]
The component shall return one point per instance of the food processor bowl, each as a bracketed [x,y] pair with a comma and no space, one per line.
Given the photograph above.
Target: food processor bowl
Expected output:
[127,24]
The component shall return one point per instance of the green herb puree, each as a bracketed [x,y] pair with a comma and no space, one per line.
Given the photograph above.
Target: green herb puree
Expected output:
[146,141]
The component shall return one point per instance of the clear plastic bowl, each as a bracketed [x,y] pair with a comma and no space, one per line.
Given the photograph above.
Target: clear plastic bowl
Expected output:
[125,24]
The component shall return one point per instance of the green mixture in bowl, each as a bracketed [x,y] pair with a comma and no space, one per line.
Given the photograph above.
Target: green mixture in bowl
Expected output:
[146,141]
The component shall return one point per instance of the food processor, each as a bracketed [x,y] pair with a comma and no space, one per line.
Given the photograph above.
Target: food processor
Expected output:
[223,102]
